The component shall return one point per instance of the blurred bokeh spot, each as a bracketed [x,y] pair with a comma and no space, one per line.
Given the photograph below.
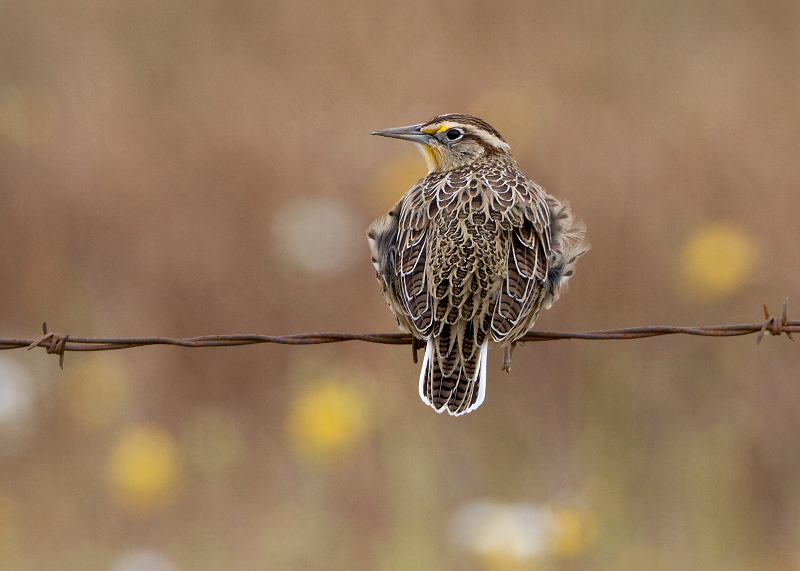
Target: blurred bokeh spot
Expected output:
[394,178]
[17,395]
[716,261]
[514,536]
[320,235]
[144,468]
[575,531]
[504,536]
[327,420]
[142,560]
[99,391]
[28,116]
[511,111]
[213,441]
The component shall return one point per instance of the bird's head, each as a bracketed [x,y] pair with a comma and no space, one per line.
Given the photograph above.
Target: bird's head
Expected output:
[451,141]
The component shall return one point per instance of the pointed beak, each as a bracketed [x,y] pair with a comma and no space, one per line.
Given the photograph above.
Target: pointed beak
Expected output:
[410,133]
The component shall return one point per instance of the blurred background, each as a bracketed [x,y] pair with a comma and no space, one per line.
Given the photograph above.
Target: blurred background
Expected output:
[184,168]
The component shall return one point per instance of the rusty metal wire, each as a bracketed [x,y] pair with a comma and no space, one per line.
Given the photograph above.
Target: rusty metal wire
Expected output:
[57,344]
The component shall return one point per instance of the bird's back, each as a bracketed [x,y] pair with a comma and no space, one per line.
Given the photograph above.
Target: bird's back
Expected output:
[459,237]
[470,254]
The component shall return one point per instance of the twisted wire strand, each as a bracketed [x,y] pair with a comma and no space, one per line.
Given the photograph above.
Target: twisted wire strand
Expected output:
[57,344]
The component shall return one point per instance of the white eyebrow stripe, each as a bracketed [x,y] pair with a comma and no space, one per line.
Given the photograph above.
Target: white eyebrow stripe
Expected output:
[490,139]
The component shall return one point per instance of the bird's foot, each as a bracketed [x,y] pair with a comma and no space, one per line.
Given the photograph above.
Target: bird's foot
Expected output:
[507,357]
[415,344]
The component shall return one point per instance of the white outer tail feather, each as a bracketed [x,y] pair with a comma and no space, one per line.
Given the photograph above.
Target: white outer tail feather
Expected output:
[481,379]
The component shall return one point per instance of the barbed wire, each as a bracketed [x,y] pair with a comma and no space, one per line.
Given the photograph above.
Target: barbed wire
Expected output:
[57,344]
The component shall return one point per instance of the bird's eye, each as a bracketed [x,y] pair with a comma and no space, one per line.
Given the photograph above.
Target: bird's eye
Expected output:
[453,134]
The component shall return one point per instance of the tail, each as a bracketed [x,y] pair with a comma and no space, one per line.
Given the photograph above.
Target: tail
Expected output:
[452,381]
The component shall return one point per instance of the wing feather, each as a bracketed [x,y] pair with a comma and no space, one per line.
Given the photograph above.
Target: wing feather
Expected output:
[522,293]
[412,240]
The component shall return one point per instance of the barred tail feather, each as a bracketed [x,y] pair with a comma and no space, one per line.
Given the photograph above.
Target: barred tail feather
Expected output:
[456,393]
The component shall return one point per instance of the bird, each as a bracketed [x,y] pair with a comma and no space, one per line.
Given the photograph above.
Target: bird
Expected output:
[470,254]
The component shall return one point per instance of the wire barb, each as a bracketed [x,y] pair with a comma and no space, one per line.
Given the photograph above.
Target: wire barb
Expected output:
[57,344]
[775,325]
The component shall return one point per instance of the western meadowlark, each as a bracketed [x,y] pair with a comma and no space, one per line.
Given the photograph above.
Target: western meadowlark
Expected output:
[472,252]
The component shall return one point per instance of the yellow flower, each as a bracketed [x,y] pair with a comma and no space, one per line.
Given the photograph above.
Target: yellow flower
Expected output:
[716,261]
[144,468]
[327,420]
